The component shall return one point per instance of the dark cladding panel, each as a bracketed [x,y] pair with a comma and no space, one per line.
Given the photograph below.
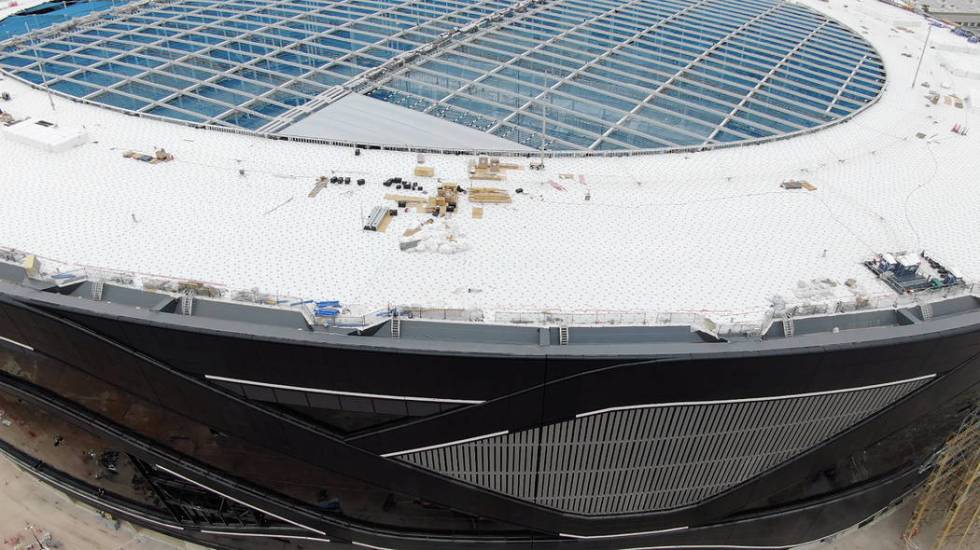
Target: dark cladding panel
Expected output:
[291,397]
[8,329]
[259,393]
[324,401]
[233,387]
[356,404]
[390,406]
[422,408]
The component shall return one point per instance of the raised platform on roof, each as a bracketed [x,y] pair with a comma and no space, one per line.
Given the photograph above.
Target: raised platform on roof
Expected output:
[710,232]
[44,135]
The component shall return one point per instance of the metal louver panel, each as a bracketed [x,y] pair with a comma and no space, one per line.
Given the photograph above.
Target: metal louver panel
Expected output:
[656,457]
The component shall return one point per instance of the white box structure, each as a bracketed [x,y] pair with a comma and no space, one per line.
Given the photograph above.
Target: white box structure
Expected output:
[45,135]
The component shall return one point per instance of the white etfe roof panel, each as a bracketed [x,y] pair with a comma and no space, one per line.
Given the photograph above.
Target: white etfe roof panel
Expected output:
[363,119]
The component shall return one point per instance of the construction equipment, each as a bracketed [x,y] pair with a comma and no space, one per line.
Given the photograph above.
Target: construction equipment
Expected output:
[379,219]
[952,493]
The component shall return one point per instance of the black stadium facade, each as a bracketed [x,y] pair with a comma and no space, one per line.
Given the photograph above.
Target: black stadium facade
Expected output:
[244,429]
[703,156]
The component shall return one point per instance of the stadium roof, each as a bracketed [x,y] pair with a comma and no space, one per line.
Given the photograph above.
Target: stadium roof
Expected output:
[546,74]
[709,231]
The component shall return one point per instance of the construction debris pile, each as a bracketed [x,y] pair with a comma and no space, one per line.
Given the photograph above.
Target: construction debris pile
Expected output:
[440,236]
[196,288]
[436,233]
[6,118]
[160,155]
[820,296]
[31,538]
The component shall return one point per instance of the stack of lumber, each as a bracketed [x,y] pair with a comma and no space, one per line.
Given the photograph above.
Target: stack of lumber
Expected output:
[490,168]
[448,191]
[798,184]
[414,200]
[321,182]
[489,195]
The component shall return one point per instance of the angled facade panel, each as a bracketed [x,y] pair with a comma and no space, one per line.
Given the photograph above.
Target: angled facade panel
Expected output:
[657,457]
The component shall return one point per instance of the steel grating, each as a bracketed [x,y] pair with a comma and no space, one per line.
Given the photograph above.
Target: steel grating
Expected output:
[656,457]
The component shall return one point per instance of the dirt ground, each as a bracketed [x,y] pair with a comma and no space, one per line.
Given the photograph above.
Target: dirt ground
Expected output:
[32,512]
[885,533]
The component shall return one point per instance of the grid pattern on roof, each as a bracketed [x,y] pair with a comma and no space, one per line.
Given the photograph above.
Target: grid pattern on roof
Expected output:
[555,74]
[621,74]
[231,62]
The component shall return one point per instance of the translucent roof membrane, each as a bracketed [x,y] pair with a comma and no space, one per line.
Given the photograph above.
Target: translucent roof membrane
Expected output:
[559,74]
[620,74]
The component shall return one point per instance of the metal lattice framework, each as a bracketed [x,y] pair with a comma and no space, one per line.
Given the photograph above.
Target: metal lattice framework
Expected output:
[555,74]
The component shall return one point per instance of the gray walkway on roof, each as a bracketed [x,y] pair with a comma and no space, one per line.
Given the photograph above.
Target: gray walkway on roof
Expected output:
[363,119]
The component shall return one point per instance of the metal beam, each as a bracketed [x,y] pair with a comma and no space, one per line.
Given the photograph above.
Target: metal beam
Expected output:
[735,32]
[762,82]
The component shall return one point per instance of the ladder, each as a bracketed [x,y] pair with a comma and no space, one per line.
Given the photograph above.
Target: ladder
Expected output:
[97,287]
[563,336]
[789,327]
[396,327]
[926,309]
[187,303]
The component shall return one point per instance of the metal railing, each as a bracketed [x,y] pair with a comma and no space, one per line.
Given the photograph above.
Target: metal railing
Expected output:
[747,322]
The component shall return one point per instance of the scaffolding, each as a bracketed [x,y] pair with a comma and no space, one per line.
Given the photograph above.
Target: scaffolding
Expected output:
[951,495]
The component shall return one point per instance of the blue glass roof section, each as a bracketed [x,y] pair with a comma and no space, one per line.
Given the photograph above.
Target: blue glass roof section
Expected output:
[553,74]
[233,63]
[649,74]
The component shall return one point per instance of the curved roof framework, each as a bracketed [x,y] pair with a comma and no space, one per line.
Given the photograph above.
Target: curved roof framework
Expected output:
[557,74]
[618,74]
